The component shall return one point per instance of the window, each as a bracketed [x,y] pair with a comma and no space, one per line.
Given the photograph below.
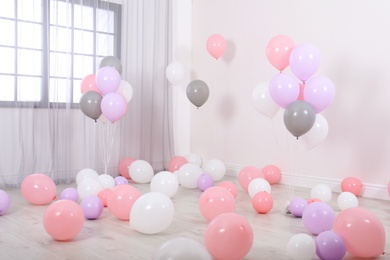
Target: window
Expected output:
[48,46]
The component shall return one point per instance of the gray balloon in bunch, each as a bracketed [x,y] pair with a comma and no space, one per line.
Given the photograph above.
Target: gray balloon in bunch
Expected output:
[111,61]
[299,117]
[90,104]
[198,92]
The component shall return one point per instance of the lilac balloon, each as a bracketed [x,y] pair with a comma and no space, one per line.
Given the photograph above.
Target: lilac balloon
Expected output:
[205,181]
[284,89]
[108,80]
[92,207]
[4,202]
[297,205]
[318,217]
[319,92]
[114,106]
[304,61]
[330,246]
[119,180]
[70,194]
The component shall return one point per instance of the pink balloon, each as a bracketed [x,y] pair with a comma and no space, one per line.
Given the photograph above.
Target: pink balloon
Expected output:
[124,165]
[103,194]
[120,200]
[271,173]
[229,236]
[284,89]
[319,92]
[215,201]
[247,174]
[176,162]
[108,80]
[304,61]
[351,184]
[216,45]
[363,233]
[38,189]
[88,83]
[262,202]
[278,51]
[231,187]
[114,106]
[63,219]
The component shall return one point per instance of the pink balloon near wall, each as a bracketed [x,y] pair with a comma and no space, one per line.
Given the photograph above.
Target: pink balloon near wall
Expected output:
[278,51]
[216,45]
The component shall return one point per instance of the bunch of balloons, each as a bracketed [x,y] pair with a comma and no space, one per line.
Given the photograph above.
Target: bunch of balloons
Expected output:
[105,93]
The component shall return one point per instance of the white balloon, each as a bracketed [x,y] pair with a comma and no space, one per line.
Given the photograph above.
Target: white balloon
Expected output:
[85,174]
[89,186]
[107,181]
[321,192]
[346,200]
[165,182]
[317,134]
[181,248]
[141,171]
[215,168]
[258,185]
[263,101]
[194,158]
[174,73]
[188,175]
[152,213]
[125,90]
[301,247]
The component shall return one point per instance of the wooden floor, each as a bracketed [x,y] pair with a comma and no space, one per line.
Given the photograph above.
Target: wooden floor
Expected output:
[22,235]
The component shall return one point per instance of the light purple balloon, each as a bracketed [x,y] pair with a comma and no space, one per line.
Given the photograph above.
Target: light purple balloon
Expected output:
[4,202]
[70,194]
[330,246]
[108,80]
[296,207]
[204,182]
[92,207]
[119,180]
[319,92]
[305,61]
[318,217]
[284,89]
[114,106]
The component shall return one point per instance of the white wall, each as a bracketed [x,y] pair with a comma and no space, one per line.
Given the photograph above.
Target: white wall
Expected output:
[354,42]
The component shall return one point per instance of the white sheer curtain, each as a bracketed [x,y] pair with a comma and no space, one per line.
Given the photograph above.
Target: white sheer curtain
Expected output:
[56,138]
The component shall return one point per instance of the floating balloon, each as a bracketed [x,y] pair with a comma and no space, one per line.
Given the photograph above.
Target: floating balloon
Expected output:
[90,103]
[174,73]
[216,45]
[125,90]
[108,80]
[38,189]
[263,101]
[304,61]
[180,248]
[284,89]
[111,61]
[299,117]
[88,83]
[198,92]
[114,106]
[278,51]
[319,92]
[317,134]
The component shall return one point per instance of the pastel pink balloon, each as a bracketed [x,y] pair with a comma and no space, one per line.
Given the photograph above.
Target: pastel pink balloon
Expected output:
[247,174]
[176,162]
[120,200]
[351,184]
[114,106]
[215,201]
[305,61]
[108,80]
[124,165]
[38,189]
[363,233]
[88,83]
[63,219]
[216,45]
[230,186]
[271,173]
[262,202]
[103,194]
[319,92]
[278,51]
[284,89]
[229,236]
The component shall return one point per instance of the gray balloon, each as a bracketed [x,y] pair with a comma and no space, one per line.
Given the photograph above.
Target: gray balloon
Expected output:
[299,117]
[90,104]
[198,92]
[111,61]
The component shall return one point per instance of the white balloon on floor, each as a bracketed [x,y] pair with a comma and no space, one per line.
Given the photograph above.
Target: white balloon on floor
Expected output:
[165,182]
[141,171]
[215,168]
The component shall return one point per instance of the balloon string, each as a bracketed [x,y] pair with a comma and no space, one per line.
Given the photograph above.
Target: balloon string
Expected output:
[111,145]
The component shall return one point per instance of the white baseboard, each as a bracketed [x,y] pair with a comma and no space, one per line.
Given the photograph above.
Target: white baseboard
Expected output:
[369,190]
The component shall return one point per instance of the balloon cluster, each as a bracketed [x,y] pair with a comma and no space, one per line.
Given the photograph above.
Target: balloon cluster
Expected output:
[105,93]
